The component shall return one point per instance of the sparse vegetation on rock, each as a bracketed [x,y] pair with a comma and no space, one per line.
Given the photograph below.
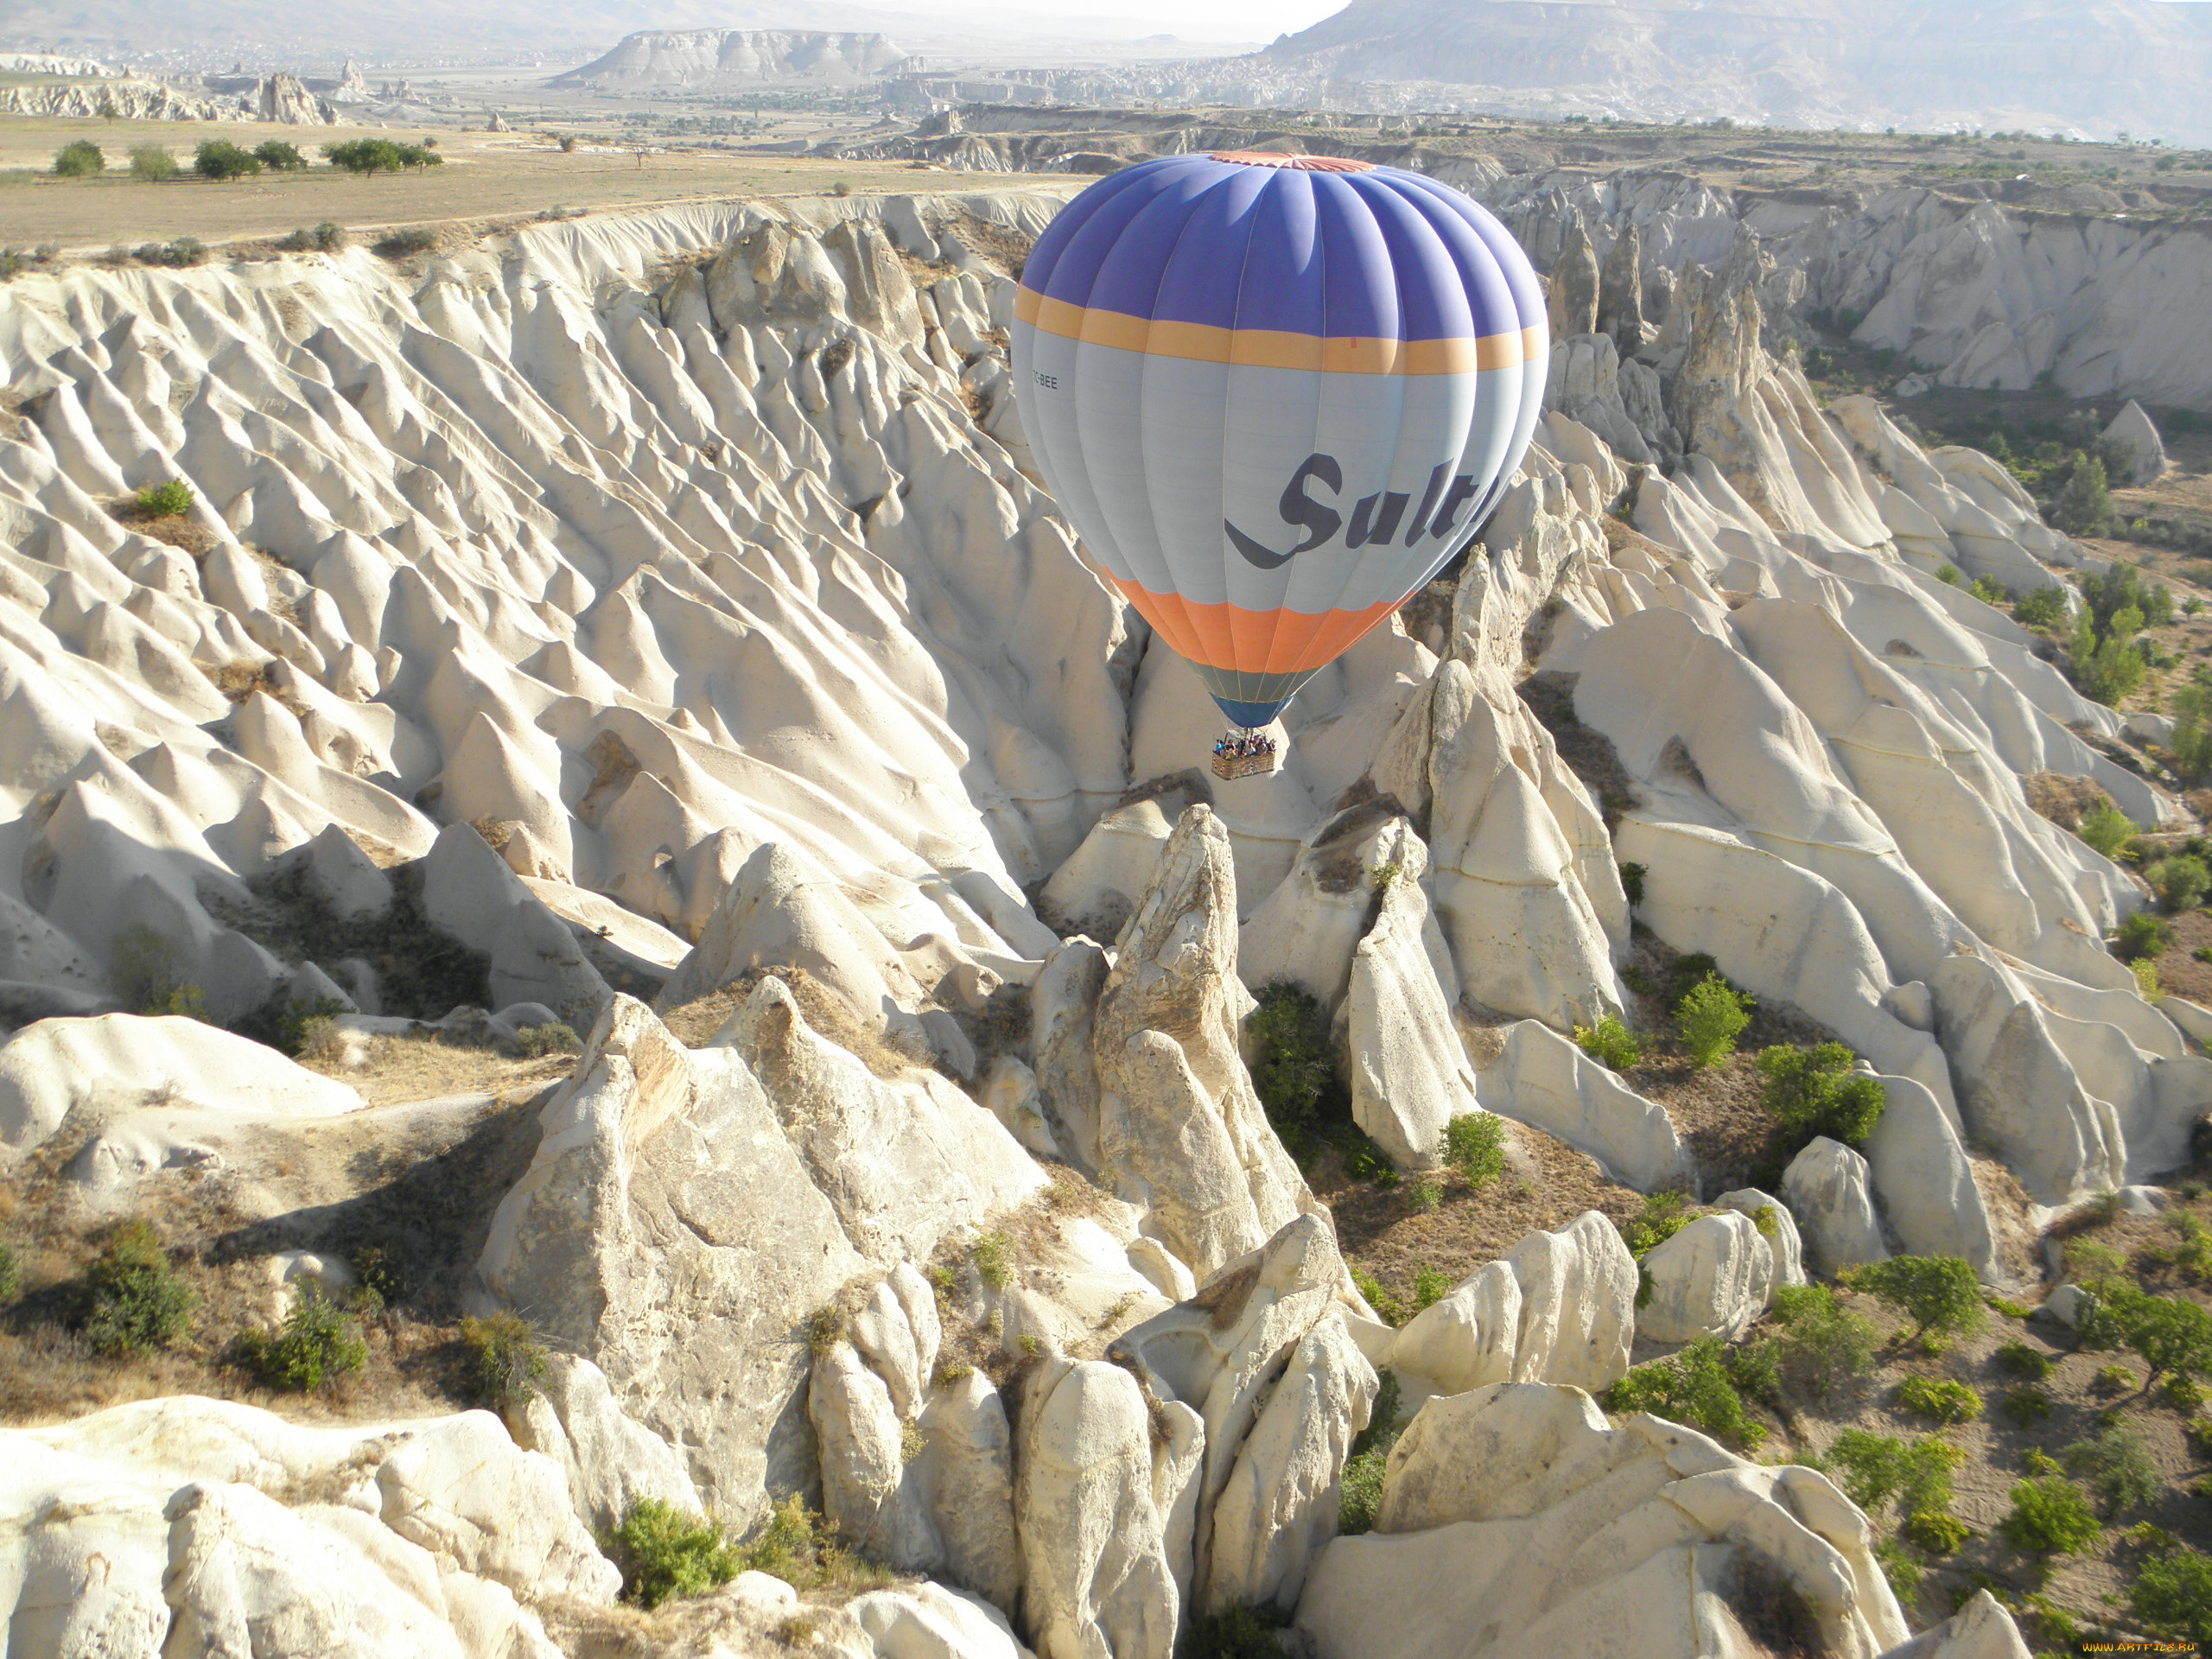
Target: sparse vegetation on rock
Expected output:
[132,1298]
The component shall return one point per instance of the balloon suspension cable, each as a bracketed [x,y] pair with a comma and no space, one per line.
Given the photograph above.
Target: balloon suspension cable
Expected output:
[1244,752]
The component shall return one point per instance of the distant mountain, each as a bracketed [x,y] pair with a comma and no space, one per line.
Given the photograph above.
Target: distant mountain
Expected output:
[284,33]
[2102,65]
[729,59]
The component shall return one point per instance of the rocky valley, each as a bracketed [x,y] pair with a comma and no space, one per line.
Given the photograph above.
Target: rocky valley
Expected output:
[636,1027]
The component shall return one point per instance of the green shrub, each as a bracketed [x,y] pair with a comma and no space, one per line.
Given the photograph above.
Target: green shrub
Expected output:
[152,163]
[11,1276]
[1663,1215]
[2084,506]
[2046,607]
[505,1361]
[1876,1470]
[308,1022]
[992,1255]
[1939,1402]
[2023,1406]
[1632,882]
[1989,592]
[2180,881]
[1370,1457]
[1900,1567]
[2173,1336]
[1947,573]
[1293,1064]
[1938,1293]
[1939,1535]
[318,1343]
[168,500]
[1378,1296]
[1695,1387]
[1430,1287]
[2114,1465]
[1474,1144]
[2191,742]
[413,239]
[1819,1091]
[2018,1359]
[2107,829]
[280,157]
[1824,1346]
[1236,1631]
[218,158]
[79,160]
[132,1299]
[2049,1516]
[2146,980]
[366,155]
[664,1552]
[1424,1198]
[2173,1594]
[550,1039]
[1609,1043]
[1712,1017]
[1361,1491]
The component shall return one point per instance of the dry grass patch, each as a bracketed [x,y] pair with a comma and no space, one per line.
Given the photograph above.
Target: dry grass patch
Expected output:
[1390,1235]
[695,1023]
[406,1196]
[398,1069]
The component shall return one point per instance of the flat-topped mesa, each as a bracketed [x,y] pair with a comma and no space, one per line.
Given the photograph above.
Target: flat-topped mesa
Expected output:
[699,61]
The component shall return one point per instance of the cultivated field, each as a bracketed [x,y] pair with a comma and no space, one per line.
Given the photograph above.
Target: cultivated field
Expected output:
[486,175]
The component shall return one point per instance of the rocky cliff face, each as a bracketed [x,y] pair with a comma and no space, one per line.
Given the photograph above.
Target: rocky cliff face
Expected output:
[663,608]
[723,59]
[2108,64]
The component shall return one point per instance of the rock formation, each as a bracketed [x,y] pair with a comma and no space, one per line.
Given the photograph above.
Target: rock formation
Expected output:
[702,61]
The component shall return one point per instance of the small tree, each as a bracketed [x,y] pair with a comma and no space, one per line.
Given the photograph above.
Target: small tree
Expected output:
[318,1343]
[2174,1593]
[133,1300]
[2106,828]
[2116,1466]
[2142,936]
[663,1552]
[152,163]
[2049,1516]
[1474,1144]
[1938,1293]
[1293,1063]
[218,158]
[2043,607]
[2180,881]
[1824,1346]
[2191,743]
[78,160]
[280,157]
[1712,1017]
[1609,1043]
[1819,1091]
[2084,506]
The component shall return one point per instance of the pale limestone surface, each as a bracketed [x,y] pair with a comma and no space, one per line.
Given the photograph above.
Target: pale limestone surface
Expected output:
[115,1063]
[1560,1308]
[192,1521]
[1828,1195]
[1713,1279]
[1543,1079]
[1514,1519]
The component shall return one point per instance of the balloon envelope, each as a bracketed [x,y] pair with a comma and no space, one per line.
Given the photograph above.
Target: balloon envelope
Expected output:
[1274,395]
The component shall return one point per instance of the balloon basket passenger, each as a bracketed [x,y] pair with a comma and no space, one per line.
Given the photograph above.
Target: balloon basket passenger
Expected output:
[1241,754]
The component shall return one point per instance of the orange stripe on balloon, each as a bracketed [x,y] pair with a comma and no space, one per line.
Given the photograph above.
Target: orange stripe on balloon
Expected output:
[1231,638]
[1269,348]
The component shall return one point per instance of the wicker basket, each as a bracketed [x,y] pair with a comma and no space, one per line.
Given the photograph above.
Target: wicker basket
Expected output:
[1228,767]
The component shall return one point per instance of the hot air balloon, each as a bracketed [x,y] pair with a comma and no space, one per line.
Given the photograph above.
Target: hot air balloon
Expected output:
[1274,395]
